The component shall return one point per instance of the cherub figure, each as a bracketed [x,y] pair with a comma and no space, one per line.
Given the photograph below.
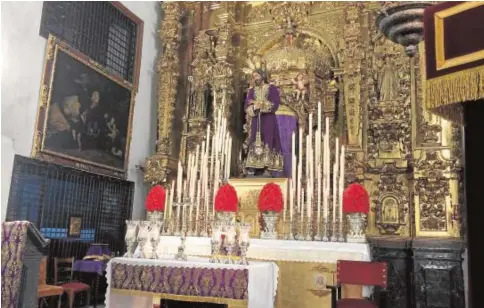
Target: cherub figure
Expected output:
[301,86]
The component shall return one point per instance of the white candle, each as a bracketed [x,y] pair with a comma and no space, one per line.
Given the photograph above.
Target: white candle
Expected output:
[341,182]
[308,176]
[318,162]
[291,199]
[302,206]
[335,190]
[229,159]
[199,188]
[172,194]
[309,155]
[179,182]
[299,169]
[293,174]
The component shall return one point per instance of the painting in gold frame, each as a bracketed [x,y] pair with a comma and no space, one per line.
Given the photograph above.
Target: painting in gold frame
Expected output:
[75,226]
[85,114]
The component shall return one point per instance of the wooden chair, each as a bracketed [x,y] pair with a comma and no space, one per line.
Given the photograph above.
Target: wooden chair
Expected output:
[364,274]
[63,277]
[45,290]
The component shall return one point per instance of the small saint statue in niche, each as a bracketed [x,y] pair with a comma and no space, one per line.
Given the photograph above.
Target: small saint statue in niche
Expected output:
[301,83]
[387,82]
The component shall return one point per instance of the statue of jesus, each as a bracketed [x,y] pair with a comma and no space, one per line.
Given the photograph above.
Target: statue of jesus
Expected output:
[264,151]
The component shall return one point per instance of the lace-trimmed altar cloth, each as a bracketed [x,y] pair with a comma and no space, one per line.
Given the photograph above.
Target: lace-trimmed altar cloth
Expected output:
[133,282]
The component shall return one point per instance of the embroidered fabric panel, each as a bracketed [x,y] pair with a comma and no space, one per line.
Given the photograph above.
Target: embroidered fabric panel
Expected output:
[189,281]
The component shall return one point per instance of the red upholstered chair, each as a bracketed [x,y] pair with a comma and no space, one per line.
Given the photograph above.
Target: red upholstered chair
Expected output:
[63,275]
[359,273]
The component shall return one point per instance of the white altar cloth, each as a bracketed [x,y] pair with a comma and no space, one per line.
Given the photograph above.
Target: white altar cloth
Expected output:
[276,250]
[302,251]
[262,284]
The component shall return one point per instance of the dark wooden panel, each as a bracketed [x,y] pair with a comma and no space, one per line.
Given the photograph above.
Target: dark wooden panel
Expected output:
[422,273]
[438,273]
[396,252]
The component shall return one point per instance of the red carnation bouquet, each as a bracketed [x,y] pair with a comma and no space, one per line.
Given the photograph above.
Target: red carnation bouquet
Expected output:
[226,199]
[356,199]
[155,201]
[271,198]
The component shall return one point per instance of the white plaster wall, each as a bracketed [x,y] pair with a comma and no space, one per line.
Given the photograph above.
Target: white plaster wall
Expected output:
[22,56]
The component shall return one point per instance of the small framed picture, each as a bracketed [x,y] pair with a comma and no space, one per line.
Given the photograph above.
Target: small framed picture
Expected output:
[75,224]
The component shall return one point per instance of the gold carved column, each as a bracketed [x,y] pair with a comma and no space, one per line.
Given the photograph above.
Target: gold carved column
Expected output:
[159,166]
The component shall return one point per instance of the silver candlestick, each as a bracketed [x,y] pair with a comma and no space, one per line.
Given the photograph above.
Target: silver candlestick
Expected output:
[243,253]
[181,249]
[309,230]
[317,236]
[325,230]
[334,235]
[291,229]
[215,251]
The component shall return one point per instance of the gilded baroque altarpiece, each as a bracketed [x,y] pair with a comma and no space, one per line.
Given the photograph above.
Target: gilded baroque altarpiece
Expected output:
[408,159]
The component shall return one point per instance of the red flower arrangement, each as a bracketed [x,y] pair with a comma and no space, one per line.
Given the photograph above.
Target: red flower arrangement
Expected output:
[356,199]
[155,200]
[226,199]
[270,198]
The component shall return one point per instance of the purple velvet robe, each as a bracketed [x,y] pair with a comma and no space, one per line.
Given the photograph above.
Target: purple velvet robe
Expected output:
[269,126]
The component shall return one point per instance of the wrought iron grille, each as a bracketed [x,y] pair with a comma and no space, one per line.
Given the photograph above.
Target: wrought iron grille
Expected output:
[97,29]
[49,195]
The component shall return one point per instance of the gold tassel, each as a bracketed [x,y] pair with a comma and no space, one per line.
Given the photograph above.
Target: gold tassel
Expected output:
[444,95]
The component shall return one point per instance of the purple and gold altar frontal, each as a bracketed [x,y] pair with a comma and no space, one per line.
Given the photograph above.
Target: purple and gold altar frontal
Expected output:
[188,281]
[195,280]
[14,235]
[454,57]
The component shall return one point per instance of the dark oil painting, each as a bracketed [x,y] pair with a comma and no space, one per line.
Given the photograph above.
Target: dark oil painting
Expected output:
[88,115]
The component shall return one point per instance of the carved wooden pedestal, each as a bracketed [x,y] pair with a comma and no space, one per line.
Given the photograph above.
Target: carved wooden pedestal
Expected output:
[422,273]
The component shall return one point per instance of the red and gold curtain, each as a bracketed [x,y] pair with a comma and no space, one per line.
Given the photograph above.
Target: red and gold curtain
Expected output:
[454,57]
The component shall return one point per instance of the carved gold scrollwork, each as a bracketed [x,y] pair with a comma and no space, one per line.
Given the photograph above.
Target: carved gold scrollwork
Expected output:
[436,190]
[168,67]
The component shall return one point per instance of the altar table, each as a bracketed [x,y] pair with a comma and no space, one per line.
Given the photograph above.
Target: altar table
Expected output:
[136,282]
[305,267]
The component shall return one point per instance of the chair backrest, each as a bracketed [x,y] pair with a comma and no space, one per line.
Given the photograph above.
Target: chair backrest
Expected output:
[362,273]
[63,270]
[43,271]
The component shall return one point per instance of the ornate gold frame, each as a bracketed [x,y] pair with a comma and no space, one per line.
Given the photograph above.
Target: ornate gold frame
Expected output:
[442,61]
[54,45]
